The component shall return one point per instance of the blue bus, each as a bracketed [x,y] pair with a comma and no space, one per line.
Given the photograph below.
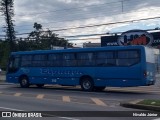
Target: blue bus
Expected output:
[91,68]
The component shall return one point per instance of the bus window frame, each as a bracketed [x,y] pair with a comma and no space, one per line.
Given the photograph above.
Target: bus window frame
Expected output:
[139,57]
[93,60]
[14,68]
[106,58]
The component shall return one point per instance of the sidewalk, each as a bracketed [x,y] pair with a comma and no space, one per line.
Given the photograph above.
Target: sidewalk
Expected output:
[2,76]
[134,104]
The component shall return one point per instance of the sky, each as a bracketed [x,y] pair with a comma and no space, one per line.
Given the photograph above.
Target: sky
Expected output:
[62,14]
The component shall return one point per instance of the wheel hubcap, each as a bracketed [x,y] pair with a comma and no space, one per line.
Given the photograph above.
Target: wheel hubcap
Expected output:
[24,82]
[86,84]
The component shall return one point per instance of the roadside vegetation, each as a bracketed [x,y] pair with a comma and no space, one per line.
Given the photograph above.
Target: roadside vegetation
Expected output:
[150,102]
[12,41]
[35,40]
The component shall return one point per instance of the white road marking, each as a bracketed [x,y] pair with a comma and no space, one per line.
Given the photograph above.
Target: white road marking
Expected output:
[69,118]
[157,119]
[11,109]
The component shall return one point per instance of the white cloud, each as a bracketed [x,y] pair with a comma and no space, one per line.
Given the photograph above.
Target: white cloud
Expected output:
[57,14]
[88,2]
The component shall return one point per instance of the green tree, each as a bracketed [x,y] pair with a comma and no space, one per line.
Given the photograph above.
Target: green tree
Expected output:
[6,7]
[37,26]
[4,51]
[40,39]
[36,40]
[8,45]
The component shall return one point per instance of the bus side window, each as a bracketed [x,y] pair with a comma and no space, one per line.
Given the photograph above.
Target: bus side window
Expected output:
[39,60]
[54,60]
[69,59]
[127,58]
[106,58]
[26,60]
[85,59]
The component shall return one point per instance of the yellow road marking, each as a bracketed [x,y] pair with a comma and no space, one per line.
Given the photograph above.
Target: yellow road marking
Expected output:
[17,94]
[40,96]
[66,98]
[98,101]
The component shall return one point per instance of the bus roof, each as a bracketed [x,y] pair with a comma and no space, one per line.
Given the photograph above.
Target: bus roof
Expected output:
[80,49]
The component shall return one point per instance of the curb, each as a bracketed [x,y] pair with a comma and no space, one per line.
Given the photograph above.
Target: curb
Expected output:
[133,104]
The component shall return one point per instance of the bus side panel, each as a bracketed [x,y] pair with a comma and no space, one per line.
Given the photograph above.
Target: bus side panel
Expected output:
[12,78]
[57,75]
[119,76]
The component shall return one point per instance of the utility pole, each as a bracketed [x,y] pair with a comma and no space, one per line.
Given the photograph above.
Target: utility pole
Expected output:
[122,6]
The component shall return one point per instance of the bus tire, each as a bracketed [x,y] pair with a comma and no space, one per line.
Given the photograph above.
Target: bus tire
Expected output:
[87,84]
[99,88]
[39,85]
[24,82]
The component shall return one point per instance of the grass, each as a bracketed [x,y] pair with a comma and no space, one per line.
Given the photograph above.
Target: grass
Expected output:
[150,102]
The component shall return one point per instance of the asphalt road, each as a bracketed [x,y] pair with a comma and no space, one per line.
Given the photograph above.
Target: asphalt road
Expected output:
[59,98]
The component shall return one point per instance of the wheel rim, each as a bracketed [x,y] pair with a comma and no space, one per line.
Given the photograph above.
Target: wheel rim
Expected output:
[24,82]
[87,84]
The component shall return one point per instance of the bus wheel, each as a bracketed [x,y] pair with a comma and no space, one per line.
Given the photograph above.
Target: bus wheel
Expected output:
[87,84]
[99,88]
[24,82]
[40,85]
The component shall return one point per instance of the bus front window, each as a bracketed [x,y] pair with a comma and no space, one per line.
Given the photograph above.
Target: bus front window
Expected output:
[13,64]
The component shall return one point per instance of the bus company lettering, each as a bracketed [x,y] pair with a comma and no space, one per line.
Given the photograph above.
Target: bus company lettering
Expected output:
[59,72]
[135,37]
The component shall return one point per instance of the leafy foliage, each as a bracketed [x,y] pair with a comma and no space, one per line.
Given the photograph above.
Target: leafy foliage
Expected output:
[36,40]
[6,8]
[41,40]
[150,102]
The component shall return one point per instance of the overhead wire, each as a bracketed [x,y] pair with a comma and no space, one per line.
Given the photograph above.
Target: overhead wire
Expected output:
[93,17]
[64,20]
[99,24]
[88,26]
[97,5]
[73,8]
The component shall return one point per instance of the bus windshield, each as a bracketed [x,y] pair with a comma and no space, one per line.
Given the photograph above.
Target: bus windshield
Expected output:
[13,64]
